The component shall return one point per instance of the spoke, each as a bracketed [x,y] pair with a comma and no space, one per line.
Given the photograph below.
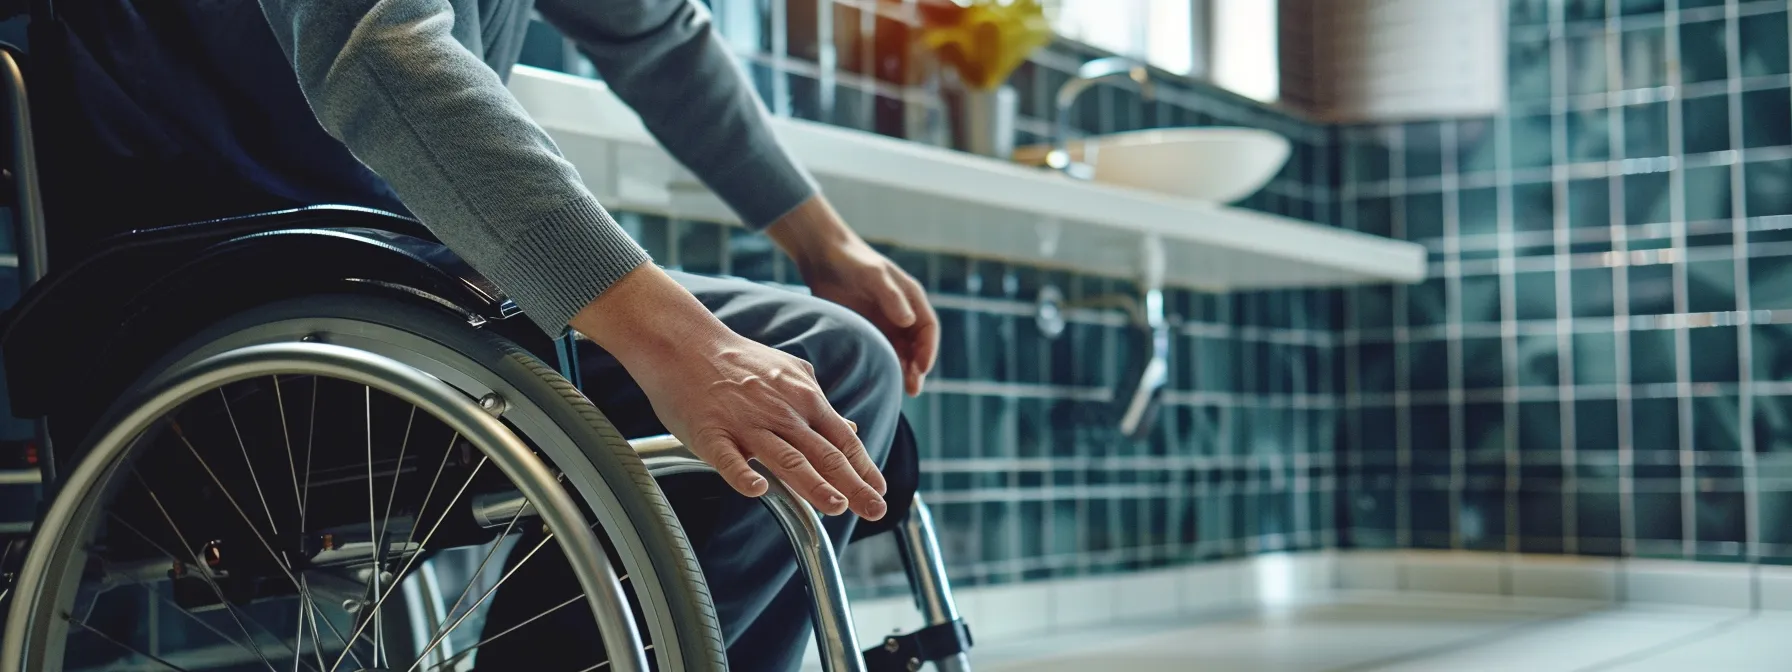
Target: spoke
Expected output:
[297,657]
[431,493]
[308,614]
[373,530]
[253,478]
[599,666]
[284,567]
[218,590]
[205,575]
[446,663]
[200,567]
[437,639]
[298,637]
[392,495]
[291,461]
[489,553]
[310,439]
[398,578]
[83,625]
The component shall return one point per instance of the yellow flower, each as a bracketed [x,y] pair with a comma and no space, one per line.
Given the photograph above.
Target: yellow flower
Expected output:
[986,39]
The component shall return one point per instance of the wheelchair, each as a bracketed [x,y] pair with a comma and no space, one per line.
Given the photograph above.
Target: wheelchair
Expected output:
[308,440]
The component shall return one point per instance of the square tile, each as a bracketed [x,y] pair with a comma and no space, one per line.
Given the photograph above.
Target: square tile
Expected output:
[1531,142]
[1711,286]
[1767,118]
[1764,44]
[1589,134]
[1645,57]
[1646,130]
[1646,198]
[1527,69]
[1708,193]
[1658,515]
[1651,289]
[1714,358]
[1423,143]
[1705,123]
[1591,291]
[1587,72]
[1703,52]
[1590,203]
[1765,191]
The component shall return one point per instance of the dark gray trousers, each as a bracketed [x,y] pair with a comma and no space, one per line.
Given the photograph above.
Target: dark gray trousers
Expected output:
[752,573]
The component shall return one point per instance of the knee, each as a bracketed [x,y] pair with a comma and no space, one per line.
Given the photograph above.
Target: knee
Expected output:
[858,369]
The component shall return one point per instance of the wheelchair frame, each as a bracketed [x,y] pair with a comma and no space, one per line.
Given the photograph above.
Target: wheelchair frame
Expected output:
[944,642]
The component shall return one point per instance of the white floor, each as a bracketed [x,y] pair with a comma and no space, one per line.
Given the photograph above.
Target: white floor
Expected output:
[1360,632]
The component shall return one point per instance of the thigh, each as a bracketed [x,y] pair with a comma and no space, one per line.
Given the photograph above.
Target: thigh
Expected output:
[854,363]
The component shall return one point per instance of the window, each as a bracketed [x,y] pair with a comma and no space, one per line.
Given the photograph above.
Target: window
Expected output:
[1231,43]
[1242,47]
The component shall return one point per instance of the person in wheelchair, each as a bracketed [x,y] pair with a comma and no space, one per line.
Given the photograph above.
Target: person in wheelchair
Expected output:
[191,110]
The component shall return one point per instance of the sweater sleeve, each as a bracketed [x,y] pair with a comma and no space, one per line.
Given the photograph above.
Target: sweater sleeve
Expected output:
[664,58]
[388,79]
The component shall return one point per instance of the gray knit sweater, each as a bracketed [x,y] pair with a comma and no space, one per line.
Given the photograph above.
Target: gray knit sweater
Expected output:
[414,88]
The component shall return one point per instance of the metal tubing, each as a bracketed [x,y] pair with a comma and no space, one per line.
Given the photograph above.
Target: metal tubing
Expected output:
[75,508]
[835,635]
[34,251]
[927,576]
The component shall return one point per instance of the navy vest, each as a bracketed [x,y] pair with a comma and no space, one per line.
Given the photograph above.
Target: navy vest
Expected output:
[156,112]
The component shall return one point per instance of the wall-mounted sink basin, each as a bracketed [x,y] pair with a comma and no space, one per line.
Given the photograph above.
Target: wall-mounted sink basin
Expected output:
[1214,164]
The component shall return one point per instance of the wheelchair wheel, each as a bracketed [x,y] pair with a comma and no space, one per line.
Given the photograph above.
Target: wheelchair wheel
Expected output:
[284,492]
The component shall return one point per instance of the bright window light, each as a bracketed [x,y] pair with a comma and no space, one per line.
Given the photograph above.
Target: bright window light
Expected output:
[1241,56]
[1244,48]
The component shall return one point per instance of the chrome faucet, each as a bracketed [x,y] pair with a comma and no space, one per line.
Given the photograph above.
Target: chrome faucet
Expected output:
[1092,73]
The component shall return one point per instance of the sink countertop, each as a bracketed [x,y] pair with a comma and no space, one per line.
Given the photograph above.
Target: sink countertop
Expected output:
[929,198]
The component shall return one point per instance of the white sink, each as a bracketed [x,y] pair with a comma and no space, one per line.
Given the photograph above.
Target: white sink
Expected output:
[1219,165]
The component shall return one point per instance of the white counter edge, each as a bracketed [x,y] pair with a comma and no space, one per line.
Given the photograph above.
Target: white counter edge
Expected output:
[585,110]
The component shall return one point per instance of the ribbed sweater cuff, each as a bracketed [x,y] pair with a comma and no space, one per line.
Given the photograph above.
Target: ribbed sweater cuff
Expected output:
[567,259]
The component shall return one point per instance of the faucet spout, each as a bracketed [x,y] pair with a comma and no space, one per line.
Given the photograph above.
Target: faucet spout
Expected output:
[1087,76]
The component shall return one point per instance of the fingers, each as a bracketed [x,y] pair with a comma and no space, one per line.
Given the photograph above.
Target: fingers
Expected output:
[793,467]
[925,346]
[841,473]
[895,303]
[720,450]
[844,435]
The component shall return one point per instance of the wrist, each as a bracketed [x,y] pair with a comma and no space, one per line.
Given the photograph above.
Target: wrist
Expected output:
[646,318]
[813,234]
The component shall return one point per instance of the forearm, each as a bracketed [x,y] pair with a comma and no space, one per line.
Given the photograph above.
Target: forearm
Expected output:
[390,81]
[664,58]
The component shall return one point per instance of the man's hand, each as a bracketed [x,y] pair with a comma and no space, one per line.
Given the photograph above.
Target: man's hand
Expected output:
[839,266]
[731,399]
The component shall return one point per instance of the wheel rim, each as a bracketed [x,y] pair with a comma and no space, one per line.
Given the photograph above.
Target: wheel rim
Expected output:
[91,530]
[427,355]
